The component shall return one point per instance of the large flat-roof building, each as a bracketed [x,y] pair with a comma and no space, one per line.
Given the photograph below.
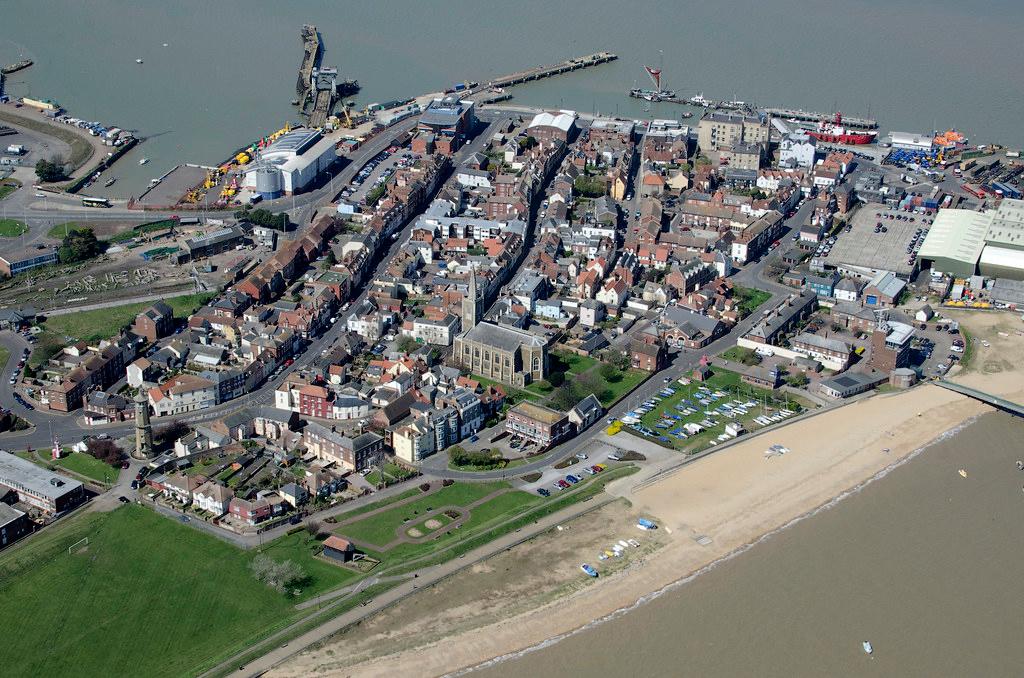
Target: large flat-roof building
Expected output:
[14,262]
[38,487]
[963,242]
[444,125]
[291,163]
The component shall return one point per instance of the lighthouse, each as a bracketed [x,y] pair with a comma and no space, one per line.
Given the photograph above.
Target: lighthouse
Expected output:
[143,429]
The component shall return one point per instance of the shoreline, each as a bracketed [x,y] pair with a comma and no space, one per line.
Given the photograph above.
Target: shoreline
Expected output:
[736,497]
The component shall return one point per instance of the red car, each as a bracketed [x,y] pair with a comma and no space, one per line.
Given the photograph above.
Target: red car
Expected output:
[289,362]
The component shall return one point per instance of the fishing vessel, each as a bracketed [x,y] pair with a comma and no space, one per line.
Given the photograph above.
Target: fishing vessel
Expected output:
[699,100]
[834,132]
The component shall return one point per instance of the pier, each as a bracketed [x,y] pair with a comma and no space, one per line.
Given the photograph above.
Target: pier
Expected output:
[811,116]
[313,49]
[541,72]
[993,400]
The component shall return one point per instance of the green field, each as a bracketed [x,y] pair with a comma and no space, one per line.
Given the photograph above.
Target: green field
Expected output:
[132,602]
[8,186]
[749,299]
[105,322]
[59,231]
[88,466]
[12,228]
[721,380]
[382,528]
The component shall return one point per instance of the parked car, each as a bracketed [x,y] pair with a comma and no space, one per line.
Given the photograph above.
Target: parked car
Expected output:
[542,492]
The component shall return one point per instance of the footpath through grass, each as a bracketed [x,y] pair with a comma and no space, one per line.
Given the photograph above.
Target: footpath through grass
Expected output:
[133,597]
[103,323]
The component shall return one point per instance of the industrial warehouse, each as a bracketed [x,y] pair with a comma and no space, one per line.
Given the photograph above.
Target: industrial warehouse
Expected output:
[291,164]
[963,243]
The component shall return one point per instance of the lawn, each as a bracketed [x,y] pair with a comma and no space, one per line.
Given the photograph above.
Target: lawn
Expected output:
[722,380]
[565,361]
[749,299]
[621,384]
[8,186]
[744,356]
[105,322]
[133,597]
[88,466]
[12,228]
[383,528]
[59,231]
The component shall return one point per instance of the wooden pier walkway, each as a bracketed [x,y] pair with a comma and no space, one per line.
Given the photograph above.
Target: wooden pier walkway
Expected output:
[554,69]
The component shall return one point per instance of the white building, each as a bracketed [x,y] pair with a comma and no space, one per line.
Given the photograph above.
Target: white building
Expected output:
[438,332]
[911,141]
[291,163]
[797,150]
[182,393]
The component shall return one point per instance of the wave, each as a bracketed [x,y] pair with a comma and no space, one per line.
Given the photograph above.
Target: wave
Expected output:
[654,595]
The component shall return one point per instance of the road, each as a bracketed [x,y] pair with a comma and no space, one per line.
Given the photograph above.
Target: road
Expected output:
[69,427]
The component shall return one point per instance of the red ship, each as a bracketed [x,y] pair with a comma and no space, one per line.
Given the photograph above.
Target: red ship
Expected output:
[834,132]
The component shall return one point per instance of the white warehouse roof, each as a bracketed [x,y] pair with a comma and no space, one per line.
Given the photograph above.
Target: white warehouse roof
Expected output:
[958,235]
[563,120]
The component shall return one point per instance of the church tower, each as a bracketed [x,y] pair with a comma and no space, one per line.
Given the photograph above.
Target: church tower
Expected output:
[472,304]
[143,429]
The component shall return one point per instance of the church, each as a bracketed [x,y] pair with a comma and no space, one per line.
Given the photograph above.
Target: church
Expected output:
[506,354]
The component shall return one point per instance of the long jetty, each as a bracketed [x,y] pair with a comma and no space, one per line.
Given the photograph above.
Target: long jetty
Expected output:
[312,49]
[993,400]
[554,69]
[812,116]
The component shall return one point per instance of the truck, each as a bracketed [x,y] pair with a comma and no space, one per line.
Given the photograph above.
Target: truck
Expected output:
[16,149]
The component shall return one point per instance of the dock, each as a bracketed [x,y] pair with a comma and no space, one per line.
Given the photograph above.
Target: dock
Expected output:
[993,400]
[541,72]
[312,51]
[812,116]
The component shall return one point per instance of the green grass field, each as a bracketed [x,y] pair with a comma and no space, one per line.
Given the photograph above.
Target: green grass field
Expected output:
[88,466]
[105,322]
[8,186]
[59,231]
[12,228]
[134,600]
[383,528]
[749,299]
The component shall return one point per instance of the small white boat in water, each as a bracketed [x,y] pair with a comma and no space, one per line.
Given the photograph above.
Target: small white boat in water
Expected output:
[138,61]
[143,161]
[867,647]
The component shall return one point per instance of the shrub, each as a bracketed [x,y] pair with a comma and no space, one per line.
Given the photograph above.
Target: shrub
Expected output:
[447,482]
[531,477]
[425,487]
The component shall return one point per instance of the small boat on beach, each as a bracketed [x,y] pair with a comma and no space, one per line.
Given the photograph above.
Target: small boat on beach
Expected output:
[591,572]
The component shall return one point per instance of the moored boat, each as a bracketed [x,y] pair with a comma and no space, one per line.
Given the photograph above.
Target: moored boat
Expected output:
[834,132]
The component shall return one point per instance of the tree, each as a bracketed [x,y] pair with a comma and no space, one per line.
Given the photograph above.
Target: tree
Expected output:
[609,372]
[49,171]
[313,527]
[407,344]
[277,576]
[80,245]
[556,378]
[264,217]
[105,450]
[172,431]
[330,258]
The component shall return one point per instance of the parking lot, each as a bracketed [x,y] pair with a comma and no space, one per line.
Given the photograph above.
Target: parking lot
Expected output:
[879,239]
[551,478]
[377,171]
[690,416]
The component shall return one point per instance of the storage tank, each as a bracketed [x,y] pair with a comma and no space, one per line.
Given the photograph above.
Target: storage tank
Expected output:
[269,182]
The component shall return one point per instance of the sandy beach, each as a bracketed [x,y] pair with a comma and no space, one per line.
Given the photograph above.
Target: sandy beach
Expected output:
[733,497]
[708,510]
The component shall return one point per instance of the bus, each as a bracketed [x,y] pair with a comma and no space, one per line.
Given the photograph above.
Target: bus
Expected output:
[95,202]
